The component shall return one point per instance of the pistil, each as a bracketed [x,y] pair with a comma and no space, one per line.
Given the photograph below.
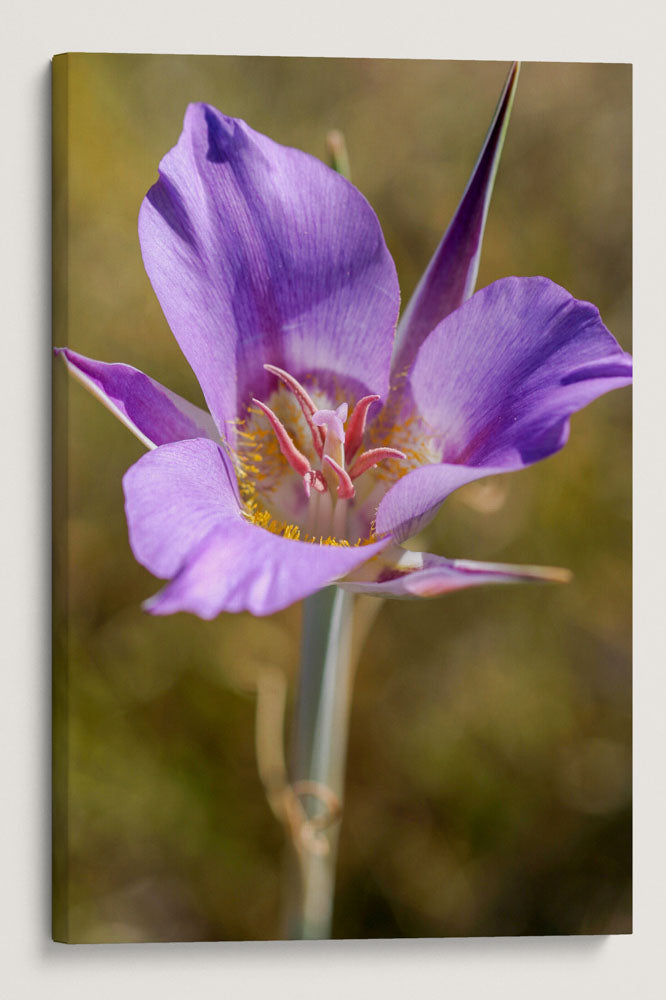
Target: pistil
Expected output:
[334,451]
[340,518]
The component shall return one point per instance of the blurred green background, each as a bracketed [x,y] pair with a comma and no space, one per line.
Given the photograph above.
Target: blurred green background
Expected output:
[489,776]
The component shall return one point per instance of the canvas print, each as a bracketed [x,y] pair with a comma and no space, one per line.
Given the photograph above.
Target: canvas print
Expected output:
[342,505]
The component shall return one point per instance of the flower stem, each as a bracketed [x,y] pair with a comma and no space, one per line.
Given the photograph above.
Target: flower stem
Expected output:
[338,157]
[319,750]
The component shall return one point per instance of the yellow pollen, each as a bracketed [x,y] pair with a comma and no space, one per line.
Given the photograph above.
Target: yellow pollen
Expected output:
[258,461]
[267,493]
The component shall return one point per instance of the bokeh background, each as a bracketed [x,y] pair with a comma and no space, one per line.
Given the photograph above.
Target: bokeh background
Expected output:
[489,775]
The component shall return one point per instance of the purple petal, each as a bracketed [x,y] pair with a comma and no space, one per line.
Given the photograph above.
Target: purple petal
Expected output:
[241,567]
[155,414]
[174,496]
[451,275]
[499,378]
[261,254]
[415,499]
[185,522]
[497,381]
[437,575]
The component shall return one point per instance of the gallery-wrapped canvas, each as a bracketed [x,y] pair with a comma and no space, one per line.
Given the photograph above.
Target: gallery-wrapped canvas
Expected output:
[341,570]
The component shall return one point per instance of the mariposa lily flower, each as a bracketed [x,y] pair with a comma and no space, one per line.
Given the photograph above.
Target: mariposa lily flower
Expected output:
[330,437]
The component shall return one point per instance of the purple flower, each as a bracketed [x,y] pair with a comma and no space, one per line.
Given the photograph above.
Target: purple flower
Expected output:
[327,443]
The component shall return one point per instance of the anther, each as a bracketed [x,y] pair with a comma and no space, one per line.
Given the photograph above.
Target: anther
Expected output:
[356,427]
[305,402]
[373,457]
[296,459]
[345,486]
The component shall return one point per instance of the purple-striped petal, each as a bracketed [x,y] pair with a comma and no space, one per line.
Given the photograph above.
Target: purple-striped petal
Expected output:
[496,383]
[451,275]
[261,254]
[499,378]
[430,575]
[415,499]
[153,413]
[241,567]
[185,522]
[174,496]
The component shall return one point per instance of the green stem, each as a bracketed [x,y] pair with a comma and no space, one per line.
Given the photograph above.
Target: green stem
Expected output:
[318,752]
[338,157]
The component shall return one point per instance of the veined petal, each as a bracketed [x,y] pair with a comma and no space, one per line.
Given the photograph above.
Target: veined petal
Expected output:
[174,496]
[499,378]
[153,413]
[451,275]
[241,567]
[415,499]
[261,254]
[185,522]
[496,383]
[431,575]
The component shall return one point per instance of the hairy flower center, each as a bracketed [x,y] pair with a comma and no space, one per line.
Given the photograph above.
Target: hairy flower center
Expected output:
[302,466]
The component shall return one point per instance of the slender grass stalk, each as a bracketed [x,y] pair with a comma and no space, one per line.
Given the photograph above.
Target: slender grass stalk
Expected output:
[318,754]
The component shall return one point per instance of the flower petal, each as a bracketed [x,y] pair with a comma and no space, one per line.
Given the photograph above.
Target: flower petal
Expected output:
[153,413]
[451,275]
[432,575]
[261,254]
[185,522]
[241,567]
[415,499]
[499,378]
[496,383]
[174,495]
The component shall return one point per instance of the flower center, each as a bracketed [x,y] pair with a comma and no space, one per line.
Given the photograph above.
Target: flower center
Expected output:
[320,447]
